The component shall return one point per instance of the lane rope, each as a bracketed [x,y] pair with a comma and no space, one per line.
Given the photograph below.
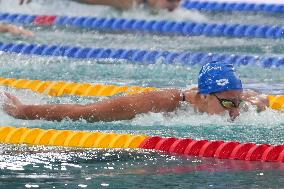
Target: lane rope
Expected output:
[165,27]
[59,88]
[187,146]
[233,6]
[137,55]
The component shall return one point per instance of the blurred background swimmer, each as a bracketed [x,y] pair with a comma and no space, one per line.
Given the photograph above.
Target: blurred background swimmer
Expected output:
[127,4]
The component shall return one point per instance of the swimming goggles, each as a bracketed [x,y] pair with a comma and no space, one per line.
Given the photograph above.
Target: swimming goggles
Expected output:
[229,104]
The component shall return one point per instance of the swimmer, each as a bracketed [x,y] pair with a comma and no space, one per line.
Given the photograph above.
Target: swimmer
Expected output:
[170,5]
[15,30]
[219,90]
[127,4]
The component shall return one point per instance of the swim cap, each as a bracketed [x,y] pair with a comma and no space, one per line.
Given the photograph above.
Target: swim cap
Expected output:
[218,77]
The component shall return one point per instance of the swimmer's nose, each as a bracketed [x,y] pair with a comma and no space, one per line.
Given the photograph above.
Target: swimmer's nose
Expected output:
[235,112]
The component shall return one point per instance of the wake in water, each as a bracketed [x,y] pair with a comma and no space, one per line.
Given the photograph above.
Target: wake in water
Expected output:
[188,116]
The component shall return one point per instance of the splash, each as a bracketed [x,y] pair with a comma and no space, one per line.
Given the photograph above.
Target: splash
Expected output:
[188,116]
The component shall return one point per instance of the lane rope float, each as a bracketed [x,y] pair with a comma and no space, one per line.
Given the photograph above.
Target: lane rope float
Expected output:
[59,88]
[233,6]
[163,27]
[202,148]
[143,56]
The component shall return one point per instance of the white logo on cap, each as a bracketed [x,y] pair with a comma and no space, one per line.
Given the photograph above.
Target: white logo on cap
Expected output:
[222,82]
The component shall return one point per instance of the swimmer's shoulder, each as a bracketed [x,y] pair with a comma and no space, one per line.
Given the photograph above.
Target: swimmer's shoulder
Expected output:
[181,95]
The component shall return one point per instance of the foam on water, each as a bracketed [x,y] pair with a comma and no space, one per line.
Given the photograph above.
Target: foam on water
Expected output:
[267,118]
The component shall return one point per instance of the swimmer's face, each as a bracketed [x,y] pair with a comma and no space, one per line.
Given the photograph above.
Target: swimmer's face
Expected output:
[221,102]
[167,4]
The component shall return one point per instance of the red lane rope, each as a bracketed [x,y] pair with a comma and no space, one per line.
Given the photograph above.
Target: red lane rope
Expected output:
[216,149]
[45,20]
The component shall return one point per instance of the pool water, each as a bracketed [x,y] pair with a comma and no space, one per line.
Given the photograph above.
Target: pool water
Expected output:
[54,167]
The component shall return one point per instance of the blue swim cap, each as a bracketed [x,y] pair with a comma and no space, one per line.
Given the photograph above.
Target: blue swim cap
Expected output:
[218,77]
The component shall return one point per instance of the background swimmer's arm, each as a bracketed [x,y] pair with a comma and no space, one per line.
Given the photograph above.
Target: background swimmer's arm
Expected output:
[120,4]
[120,108]
[15,30]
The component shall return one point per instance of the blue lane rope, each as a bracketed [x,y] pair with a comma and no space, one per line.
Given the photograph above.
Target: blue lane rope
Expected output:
[227,6]
[136,55]
[153,26]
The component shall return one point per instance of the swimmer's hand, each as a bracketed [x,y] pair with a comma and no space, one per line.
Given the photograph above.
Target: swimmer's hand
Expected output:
[24,1]
[254,98]
[13,106]
[15,30]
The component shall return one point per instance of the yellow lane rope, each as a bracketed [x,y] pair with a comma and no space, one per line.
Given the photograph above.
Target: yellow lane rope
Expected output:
[68,138]
[58,88]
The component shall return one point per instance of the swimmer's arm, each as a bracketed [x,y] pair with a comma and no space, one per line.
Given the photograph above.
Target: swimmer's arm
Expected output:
[15,30]
[120,4]
[51,112]
[257,99]
[4,28]
[119,108]
[127,107]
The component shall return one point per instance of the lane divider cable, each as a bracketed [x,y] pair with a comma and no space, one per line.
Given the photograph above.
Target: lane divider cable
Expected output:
[179,146]
[138,55]
[162,27]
